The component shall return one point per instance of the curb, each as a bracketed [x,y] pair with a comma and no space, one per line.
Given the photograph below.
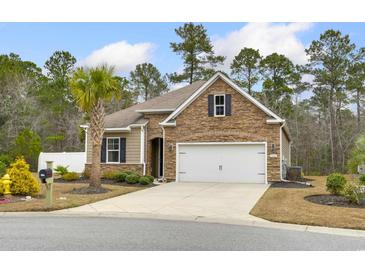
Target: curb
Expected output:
[255,221]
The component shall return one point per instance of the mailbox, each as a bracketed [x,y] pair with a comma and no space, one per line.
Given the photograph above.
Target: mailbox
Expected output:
[44,174]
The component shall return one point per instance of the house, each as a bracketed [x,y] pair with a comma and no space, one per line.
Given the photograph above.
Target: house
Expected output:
[209,131]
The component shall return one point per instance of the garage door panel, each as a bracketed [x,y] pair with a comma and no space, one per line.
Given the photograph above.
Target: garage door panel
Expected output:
[244,164]
[194,162]
[234,163]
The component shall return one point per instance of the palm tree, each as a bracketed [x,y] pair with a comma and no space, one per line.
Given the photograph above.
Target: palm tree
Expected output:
[91,88]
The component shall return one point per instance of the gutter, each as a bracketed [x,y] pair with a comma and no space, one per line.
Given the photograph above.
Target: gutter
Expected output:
[164,151]
[281,150]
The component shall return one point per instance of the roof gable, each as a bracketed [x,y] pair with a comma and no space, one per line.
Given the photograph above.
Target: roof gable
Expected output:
[206,85]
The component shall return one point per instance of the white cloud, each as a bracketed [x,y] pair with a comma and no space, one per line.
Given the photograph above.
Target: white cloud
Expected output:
[267,37]
[122,55]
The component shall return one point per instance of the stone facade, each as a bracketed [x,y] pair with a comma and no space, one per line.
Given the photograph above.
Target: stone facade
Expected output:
[138,168]
[246,124]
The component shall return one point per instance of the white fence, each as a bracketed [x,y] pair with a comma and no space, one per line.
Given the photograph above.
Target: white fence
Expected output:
[74,160]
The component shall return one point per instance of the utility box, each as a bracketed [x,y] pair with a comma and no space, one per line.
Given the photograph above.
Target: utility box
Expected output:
[294,173]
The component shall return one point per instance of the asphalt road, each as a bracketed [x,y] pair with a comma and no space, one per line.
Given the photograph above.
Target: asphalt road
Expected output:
[106,233]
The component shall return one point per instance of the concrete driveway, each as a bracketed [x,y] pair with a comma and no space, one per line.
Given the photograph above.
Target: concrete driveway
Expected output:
[192,200]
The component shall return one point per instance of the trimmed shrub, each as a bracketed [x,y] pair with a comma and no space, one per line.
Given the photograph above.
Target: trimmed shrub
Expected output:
[151,178]
[23,182]
[1,189]
[71,176]
[121,176]
[128,172]
[61,170]
[335,183]
[362,179]
[132,179]
[352,193]
[144,180]
[110,175]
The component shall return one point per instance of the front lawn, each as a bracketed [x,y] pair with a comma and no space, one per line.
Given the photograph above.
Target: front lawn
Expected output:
[63,199]
[287,205]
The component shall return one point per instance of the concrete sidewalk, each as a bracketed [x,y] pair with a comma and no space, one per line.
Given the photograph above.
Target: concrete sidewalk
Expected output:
[189,200]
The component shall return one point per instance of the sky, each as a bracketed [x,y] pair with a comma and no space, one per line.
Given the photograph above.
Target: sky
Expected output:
[124,45]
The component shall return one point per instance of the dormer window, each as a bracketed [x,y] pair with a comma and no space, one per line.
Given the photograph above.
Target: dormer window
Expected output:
[219,105]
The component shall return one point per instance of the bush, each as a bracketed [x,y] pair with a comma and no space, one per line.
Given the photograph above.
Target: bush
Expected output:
[23,182]
[128,172]
[121,176]
[28,145]
[61,170]
[132,178]
[1,189]
[335,183]
[151,178]
[6,159]
[362,179]
[71,176]
[352,193]
[110,175]
[145,180]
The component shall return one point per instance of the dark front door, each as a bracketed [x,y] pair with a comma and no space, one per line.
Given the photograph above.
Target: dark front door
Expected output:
[157,157]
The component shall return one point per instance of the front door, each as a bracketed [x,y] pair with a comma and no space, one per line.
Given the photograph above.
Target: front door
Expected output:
[157,157]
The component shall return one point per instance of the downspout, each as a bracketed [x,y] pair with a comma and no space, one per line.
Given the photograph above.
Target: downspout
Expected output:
[281,151]
[163,154]
[142,155]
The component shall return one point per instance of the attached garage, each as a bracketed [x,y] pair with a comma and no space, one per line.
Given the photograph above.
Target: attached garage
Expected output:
[221,162]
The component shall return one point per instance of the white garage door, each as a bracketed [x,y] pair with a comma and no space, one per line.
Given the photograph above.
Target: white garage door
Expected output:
[230,163]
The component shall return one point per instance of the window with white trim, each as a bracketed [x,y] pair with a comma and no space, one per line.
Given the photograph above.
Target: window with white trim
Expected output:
[219,105]
[113,150]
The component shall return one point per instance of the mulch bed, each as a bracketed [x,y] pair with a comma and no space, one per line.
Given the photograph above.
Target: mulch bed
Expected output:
[12,199]
[89,190]
[289,185]
[333,200]
[103,181]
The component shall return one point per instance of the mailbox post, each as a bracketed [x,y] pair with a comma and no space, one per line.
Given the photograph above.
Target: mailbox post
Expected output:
[49,184]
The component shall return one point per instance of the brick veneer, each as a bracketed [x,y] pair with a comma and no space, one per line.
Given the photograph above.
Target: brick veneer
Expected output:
[246,124]
[138,168]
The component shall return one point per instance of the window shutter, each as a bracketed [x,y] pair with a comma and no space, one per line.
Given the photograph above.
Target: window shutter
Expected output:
[103,151]
[228,105]
[122,150]
[210,105]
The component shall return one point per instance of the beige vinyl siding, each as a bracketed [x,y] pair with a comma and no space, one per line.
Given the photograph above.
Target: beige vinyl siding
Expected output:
[285,148]
[133,142]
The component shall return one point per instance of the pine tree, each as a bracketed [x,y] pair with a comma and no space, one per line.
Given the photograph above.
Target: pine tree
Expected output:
[197,53]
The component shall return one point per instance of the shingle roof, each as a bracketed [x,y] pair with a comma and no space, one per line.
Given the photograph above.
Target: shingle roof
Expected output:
[169,100]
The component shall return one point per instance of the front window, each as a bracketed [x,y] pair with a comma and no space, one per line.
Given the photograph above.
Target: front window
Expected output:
[113,150]
[219,105]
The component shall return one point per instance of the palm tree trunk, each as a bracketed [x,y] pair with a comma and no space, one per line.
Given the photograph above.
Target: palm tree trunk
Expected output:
[97,131]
